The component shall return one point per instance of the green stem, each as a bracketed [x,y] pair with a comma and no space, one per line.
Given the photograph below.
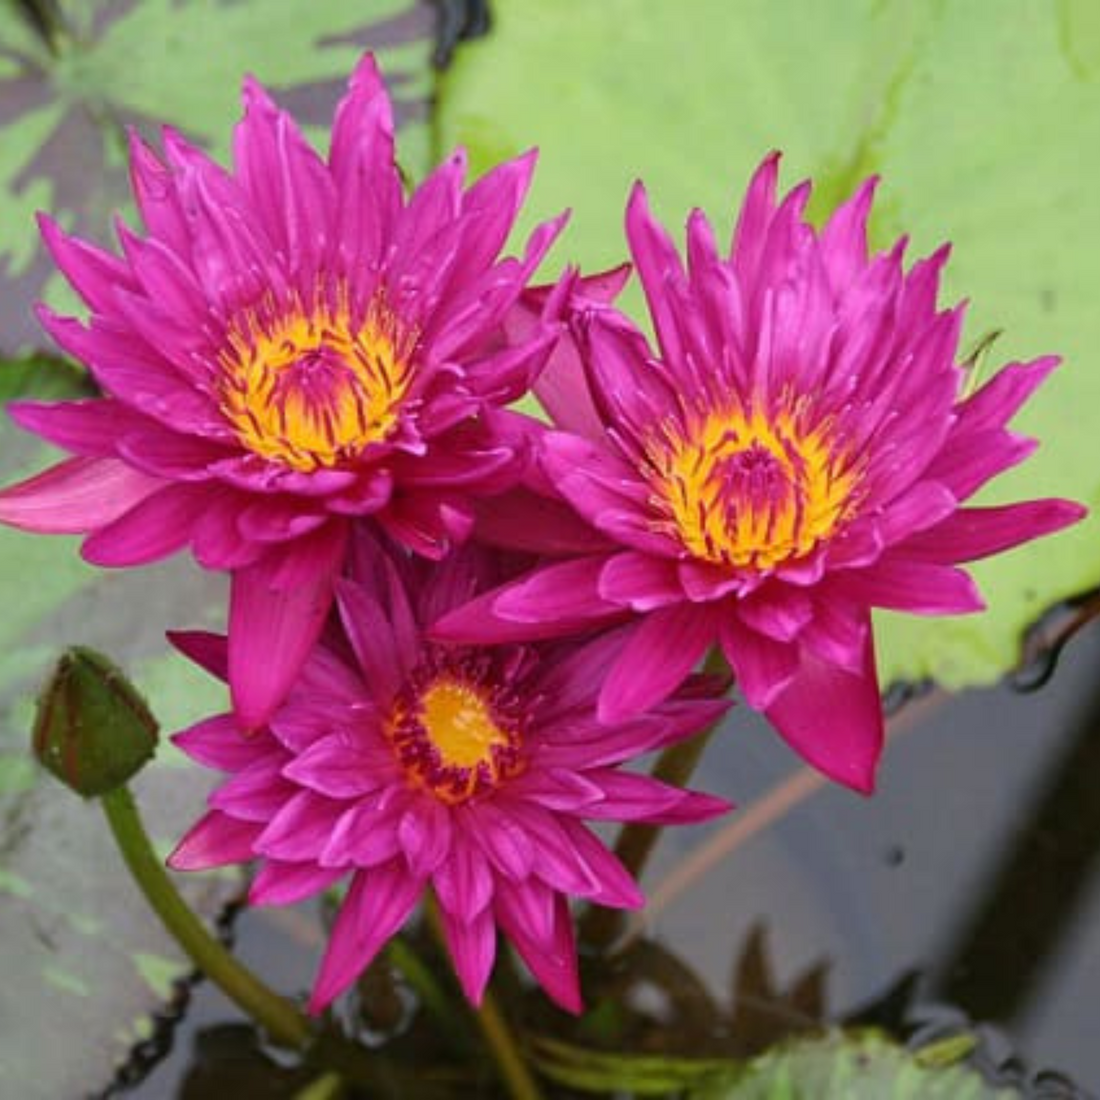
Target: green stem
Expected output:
[330,1086]
[600,927]
[48,21]
[502,1044]
[283,1022]
[276,1015]
[432,996]
[498,1036]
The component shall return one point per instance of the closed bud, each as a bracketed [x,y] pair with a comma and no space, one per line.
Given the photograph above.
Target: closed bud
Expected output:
[93,730]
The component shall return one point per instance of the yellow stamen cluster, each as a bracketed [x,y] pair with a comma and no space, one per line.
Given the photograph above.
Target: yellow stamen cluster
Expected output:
[313,387]
[450,741]
[748,490]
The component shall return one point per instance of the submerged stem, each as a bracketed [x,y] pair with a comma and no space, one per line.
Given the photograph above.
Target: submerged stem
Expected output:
[600,927]
[498,1036]
[276,1015]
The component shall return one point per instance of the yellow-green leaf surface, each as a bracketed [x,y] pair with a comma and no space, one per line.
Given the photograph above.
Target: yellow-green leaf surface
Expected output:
[982,116]
[839,1065]
[76,939]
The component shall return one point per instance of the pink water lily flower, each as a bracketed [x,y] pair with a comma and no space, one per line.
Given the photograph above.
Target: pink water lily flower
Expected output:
[795,452]
[293,343]
[404,766]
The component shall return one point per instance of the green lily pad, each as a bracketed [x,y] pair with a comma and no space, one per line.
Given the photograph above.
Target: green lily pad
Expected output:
[84,959]
[982,117]
[66,98]
[837,1066]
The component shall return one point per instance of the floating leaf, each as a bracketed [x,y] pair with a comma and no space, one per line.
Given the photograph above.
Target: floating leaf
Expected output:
[984,121]
[83,958]
[837,1066]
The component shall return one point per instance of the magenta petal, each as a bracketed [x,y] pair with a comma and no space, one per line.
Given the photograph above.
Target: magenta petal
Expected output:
[281,883]
[424,833]
[763,666]
[566,457]
[704,581]
[276,612]
[154,528]
[473,948]
[94,274]
[364,623]
[255,793]
[92,427]
[273,521]
[631,389]
[491,205]
[777,611]
[615,885]
[75,496]
[377,904]
[169,454]
[287,182]
[502,839]
[563,863]
[566,592]
[523,520]
[218,743]
[967,462]
[300,828]
[209,651]
[362,164]
[833,719]
[640,582]
[1002,396]
[558,599]
[555,788]
[464,882]
[364,836]
[978,532]
[428,524]
[551,958]
[920,507]
[757,210]
[631,797]
[562,390]
[215,840]
[572,681]
[909,584]
[662,649]
[837,632]
[657,263]
[844,238]
[339,766]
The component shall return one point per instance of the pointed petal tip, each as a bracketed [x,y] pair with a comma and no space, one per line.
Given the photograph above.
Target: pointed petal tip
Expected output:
[862,781]
[766,176]
[366,76]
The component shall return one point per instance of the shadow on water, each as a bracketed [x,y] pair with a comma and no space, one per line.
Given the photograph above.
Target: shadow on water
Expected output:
[1036,892]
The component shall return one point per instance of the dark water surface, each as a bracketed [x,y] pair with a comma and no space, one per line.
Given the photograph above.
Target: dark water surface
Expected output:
[974,865]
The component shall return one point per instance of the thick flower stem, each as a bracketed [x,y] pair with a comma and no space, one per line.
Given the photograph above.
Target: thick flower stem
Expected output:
[501,1041]
[276,1015]
[494,1028]
[600,927]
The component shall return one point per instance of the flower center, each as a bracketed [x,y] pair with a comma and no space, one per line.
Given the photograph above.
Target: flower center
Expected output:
[751,492]
[314,387]
[454,735]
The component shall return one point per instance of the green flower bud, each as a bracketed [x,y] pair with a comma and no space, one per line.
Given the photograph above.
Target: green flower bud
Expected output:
[93,730]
